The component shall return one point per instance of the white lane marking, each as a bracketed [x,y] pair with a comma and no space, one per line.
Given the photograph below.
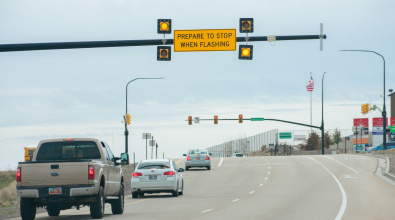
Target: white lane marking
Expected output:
[208,210]
[220,162]
[268,172]
[266,178]
[348,177]
[252,192]
[344,196]
[236,200]
[261,183]
[350,168]
[269,168]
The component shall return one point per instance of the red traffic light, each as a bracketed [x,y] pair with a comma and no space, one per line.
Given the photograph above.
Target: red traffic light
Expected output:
[189,120]
[215,119]
[240,118]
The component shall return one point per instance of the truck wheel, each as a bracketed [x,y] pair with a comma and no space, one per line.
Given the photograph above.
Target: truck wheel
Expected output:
[135,195]
[117,205]
[53,211]
[27,209]
[97,207]
[209,168]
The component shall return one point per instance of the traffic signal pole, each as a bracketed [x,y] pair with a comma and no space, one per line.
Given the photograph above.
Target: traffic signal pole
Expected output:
[129,43]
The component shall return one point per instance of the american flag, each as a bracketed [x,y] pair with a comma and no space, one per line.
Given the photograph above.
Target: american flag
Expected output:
[310,86]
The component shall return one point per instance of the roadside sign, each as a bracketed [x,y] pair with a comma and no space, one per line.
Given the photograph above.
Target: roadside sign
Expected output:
[146,135]
[152,142]
[204,40]
[285,135]
[257,119]
[392,128]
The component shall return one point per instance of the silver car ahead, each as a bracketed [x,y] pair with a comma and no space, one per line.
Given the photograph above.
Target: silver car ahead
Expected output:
[197,158]
[156,176]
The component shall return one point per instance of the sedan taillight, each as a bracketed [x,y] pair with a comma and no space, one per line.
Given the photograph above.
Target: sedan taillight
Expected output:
[188,158]
[207,157]
[18,174]
[169,173]
[91,172]
[136,174]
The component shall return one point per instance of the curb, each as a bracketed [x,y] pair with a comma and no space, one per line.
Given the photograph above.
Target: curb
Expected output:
[386,173]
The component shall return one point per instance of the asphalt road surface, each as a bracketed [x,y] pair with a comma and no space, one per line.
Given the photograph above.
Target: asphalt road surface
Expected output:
[292,187]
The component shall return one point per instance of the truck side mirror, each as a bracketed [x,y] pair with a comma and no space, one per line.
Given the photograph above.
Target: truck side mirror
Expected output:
[184,155]
[124,159]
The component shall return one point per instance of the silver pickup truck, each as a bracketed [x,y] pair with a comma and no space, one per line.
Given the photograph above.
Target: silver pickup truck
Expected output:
[70,172]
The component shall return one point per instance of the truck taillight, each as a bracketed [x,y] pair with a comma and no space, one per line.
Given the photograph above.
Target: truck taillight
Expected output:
[207,157]
[188,159]
[136,174]
[169,173]
[18,174]
[91,172]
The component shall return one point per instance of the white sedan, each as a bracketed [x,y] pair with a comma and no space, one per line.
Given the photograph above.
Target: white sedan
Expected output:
[157,176]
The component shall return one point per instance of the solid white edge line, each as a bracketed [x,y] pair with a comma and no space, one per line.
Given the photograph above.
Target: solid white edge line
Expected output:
[350,168]
[252,192]
[208,210]
[235,200]
[344,196]
[220,162]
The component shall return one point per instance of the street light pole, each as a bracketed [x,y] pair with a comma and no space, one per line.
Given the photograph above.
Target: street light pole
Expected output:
[126,112]
[322,122]
[384,111]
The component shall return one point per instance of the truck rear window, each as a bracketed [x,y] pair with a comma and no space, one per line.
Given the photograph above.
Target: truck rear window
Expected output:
[70,150]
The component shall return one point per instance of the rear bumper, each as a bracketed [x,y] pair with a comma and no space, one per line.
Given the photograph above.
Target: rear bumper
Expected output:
[165,186]
[202,163]
[67,191]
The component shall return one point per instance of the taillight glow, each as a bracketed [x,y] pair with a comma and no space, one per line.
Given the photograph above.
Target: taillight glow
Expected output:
[169,173]
[91,172]
[136,174]
[207,157]
[18,174]
[188,159]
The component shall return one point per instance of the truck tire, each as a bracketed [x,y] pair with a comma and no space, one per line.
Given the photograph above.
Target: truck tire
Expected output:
[97,207]
[27,209]
[117,205]
[53,211]
[135,195]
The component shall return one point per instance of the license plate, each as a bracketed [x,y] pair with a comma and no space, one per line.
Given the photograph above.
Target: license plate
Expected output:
[198,158]
[152,177]
[55,190]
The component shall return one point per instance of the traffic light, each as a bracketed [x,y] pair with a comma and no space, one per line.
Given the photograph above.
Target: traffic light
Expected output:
[347,138]
[365,108]
[163,53]
[246,25]
[245,52]
[215,119]
[240,118]
[189,120]
[128,119]
[164,26]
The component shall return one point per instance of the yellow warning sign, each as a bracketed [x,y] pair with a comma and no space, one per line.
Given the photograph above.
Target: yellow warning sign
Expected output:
[204,40]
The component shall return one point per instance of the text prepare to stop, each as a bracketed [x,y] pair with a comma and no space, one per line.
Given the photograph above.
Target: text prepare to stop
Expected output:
[203,36]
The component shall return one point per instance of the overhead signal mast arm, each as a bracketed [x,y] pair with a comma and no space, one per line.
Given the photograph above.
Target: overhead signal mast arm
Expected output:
[128,43]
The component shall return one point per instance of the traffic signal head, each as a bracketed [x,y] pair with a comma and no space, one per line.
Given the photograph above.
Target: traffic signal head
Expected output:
[347,138]
[245,52]
[189,120]
[215,119]
[163,53]
[240,118]
[246,25]
[128,119]
[164,26]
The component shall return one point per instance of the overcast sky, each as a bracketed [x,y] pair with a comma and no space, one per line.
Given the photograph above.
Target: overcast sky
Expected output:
[81,92]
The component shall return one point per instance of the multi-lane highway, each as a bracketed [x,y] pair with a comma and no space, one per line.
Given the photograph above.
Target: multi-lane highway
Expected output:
[293,187]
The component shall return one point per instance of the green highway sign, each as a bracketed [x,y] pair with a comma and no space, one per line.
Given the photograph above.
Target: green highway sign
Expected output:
[285,135]
[392,128]
[257,119]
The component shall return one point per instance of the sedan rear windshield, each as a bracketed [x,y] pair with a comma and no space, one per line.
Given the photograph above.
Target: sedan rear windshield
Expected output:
[154,165]
[70,150]
[198,151]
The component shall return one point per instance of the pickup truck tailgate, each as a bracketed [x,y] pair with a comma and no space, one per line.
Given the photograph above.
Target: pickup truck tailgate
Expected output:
[54,174]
